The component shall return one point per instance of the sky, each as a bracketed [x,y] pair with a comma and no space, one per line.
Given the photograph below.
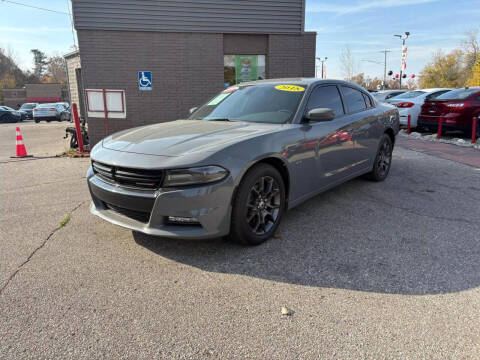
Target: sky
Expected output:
[366,27]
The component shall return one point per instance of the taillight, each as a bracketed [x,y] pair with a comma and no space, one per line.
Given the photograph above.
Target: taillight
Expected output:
[405,104]
[52,109]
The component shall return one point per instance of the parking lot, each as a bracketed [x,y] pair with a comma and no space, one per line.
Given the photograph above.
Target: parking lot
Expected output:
[370,270]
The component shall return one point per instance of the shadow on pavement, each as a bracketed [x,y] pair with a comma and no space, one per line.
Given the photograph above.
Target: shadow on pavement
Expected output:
[353,238]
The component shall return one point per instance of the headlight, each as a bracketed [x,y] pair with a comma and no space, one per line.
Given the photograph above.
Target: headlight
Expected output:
[199,175]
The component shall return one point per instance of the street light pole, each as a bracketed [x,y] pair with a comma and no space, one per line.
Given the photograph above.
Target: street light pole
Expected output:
[385,69]
[403,38]
[322,61]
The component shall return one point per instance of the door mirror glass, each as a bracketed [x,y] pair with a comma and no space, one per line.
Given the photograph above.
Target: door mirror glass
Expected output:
[192,110]
[320,114]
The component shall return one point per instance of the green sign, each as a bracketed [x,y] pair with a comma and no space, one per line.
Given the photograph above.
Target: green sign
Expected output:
[246,68]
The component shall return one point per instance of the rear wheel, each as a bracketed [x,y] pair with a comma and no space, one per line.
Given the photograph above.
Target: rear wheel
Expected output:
[258,205]
[37,121]
[383,160]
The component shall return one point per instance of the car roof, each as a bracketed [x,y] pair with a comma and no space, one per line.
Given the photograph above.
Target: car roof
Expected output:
[299,81]
[430,90]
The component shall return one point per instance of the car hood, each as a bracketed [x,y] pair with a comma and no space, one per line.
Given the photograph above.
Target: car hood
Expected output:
[181,137]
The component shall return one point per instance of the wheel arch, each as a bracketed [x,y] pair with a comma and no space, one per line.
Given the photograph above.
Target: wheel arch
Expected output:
[391,134]
[279,164]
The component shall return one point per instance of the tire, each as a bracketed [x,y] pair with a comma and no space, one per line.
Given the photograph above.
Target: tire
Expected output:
[37,121]
[258,209]
[383,160]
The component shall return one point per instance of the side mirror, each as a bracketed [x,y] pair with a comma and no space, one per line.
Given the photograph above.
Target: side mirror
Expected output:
[192,110]
[320,114]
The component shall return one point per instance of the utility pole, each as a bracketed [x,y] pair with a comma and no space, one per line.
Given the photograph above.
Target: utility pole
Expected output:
[322,61]
[403,38]
[385,68]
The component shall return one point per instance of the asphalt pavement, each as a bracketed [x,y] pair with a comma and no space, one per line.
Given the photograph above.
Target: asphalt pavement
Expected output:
[369,270]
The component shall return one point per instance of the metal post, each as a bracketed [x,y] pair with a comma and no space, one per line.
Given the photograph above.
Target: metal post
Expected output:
[474,129]
[77,127]
[439,131]
[105,110]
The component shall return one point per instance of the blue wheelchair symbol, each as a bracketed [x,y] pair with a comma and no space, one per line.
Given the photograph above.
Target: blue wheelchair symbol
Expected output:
[145,80]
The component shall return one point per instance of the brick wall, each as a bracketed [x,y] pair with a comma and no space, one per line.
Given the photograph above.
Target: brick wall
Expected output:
[187,68]
[13,97]
[44,90]
[73,63]
[291,55]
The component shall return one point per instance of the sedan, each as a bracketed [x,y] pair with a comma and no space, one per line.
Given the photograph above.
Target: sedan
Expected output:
[9,115]
[27,108]
[384,95]
[49,112]
[456,109]
[410,103]
[242,159]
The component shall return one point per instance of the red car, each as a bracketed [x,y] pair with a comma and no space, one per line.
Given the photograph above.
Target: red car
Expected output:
[456,107]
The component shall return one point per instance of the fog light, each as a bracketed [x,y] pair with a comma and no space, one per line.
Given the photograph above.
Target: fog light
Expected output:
[183,220]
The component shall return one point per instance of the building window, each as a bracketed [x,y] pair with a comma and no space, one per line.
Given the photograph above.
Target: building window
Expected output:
[242,68]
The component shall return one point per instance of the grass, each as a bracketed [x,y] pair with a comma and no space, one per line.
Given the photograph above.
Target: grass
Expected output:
[65,221]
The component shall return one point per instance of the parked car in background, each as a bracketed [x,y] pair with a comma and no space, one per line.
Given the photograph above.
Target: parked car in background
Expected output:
[456,107]
[410,103]
[66,105]
[49,112]
[27,108]
[384,95]
[242,159]
[9,115]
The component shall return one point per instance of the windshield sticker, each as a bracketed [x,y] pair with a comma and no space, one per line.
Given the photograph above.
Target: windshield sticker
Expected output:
[292,88]
[216,100]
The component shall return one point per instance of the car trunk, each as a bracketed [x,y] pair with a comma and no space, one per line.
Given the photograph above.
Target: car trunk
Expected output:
[436,108]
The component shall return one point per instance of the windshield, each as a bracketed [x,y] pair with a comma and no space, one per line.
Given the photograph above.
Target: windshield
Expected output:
[409,95]
[458,94]
[28,106]
[45,106]
[268,103]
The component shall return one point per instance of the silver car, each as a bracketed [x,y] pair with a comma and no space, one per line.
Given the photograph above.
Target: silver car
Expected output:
[49,112]
[242,159]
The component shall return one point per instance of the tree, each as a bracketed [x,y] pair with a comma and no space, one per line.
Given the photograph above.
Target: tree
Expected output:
[39,62]
[474,79]
[9,69]
[56,72]
[347,63]
[444,71]
[471,50]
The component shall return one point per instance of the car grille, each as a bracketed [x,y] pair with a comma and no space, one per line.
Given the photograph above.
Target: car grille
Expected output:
[138,178]
[133,214]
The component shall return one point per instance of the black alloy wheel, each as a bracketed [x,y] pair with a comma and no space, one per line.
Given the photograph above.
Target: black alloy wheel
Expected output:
[258,205]
[383,160]
[263,205]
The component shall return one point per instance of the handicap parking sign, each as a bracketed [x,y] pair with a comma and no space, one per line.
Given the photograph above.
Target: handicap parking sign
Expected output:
[145,80]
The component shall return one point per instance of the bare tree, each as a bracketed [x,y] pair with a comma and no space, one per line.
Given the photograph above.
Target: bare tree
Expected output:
[471,51]
[347,63]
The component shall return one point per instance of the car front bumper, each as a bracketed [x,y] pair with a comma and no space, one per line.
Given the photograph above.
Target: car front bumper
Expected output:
[149,211]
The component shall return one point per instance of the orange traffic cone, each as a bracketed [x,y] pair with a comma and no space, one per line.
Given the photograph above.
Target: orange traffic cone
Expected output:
[20,150]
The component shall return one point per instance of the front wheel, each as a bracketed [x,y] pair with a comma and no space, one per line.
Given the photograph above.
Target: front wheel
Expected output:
[258,205]
[383,160]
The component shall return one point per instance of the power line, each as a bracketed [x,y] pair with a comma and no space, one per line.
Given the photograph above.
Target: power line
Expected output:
[35,7]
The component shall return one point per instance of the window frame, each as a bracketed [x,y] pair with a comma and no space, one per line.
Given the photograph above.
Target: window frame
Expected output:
[361,92]
[324,85]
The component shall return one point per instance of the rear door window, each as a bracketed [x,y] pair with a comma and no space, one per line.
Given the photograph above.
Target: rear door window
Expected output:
[436,94]
[354,99]
[326,97]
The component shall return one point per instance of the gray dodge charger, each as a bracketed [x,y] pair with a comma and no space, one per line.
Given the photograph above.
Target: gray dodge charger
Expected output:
[242,159]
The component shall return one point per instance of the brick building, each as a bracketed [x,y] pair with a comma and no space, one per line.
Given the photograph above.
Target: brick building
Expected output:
[193,50]
[39,93]
[74,76]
